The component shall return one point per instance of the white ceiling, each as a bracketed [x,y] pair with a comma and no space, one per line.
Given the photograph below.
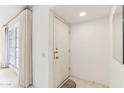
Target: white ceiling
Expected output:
[70,13]
[9,11]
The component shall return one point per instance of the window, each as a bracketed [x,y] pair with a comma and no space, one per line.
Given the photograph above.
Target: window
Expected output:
[13,46]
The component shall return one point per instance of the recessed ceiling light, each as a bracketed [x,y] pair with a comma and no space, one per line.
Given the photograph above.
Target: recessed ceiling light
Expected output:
[82,13]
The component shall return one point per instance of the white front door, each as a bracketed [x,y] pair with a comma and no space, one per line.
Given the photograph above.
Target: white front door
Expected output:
[61,52]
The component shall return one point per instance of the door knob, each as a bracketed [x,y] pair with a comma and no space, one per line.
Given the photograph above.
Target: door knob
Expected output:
[57,57]
[56,52]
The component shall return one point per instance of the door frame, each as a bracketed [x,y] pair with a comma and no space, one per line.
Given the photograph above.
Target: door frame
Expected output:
[51,47]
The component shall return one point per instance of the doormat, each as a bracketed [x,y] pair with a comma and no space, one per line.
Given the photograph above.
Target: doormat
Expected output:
[69,84]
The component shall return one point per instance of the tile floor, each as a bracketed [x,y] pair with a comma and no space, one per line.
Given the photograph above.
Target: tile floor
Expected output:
[87,84]
[8,78]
